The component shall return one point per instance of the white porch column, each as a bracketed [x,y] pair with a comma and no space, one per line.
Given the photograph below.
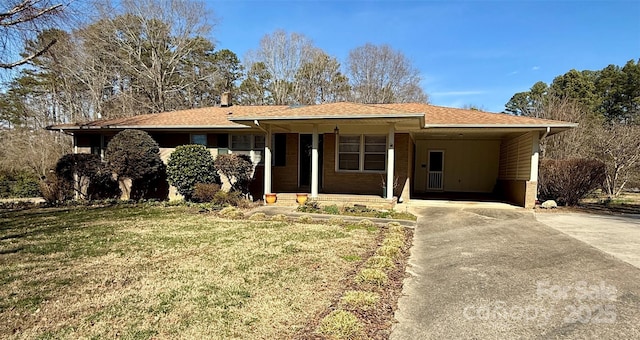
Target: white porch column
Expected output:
[391,159]
[314,162]
[267,161]
[535,157]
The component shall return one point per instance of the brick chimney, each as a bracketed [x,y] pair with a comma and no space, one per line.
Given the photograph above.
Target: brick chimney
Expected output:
[225,99]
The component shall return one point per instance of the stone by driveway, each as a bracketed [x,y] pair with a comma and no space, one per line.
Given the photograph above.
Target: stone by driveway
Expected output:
[480,273]
[618,235]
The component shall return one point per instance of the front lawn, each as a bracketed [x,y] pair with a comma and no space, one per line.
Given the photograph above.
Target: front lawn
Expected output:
[169,272]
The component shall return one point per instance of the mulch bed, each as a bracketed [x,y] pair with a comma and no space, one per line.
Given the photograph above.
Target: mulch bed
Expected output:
[376,322]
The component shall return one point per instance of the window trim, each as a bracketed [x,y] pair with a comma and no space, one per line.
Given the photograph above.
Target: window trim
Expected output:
[361,154]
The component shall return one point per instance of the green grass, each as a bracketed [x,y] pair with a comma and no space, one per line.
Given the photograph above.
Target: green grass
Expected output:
[167,272]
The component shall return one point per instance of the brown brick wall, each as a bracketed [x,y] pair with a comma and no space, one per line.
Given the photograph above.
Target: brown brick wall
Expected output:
[365,183]
[519,192]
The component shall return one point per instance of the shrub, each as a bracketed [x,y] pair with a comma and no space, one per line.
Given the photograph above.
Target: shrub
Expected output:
[189,165]
[372,276]
[55,189]
[79,170]
[388,251]
[205,192]
[331,209]
[19,184]
[226,198]
[366,223]
[357,299]
[568,180]
[380,262]
[280,218]
[151,186]
[309,207]
[341,324]
[231,213]
[392,241]
[237,169]
[103,186]
[258,217]
[336,221]
[133,154]
[305,219]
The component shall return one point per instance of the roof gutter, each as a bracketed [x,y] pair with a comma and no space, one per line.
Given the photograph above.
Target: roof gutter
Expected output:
[546,126]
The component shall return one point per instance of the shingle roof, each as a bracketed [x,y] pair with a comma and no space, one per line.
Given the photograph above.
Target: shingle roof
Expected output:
[227,117]
[202,117]
[330,110]
[440,115]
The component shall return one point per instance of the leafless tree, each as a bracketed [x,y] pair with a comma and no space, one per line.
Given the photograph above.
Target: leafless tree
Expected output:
[283,54]
[150,38]
[618,146]
[320,81]
[20,20]
[380,74]
[35,151]
[574,143]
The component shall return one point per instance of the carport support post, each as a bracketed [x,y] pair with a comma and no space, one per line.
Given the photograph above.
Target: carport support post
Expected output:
[267,161]
[390,160]
[314,162]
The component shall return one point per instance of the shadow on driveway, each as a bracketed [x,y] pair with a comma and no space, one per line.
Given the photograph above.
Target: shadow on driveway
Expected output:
[488,273]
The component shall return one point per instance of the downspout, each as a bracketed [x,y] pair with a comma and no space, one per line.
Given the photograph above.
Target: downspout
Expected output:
[546,133]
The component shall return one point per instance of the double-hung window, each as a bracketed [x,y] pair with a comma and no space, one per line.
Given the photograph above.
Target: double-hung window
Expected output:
[362,153]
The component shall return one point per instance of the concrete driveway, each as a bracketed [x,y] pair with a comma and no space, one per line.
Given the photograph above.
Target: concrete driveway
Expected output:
[482,273]
[618,235]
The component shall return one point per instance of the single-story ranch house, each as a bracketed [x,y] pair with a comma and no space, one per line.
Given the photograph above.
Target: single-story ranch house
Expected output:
[349,148]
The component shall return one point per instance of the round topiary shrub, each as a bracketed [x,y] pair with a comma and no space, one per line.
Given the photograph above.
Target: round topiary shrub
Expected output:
[132,155]
[189,165]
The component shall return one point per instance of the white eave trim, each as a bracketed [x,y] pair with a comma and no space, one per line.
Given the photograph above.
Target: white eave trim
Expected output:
[501,126]
[153,127]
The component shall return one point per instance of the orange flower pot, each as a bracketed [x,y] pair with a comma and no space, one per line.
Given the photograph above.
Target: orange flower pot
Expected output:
[270,198]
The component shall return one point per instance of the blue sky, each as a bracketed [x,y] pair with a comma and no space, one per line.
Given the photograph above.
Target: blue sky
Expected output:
[468,52]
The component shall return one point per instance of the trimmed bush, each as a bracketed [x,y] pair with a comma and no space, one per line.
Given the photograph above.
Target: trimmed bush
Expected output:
[237,169]
[134,155]
[79,170]
[189,165]
[205,192]
[566,181]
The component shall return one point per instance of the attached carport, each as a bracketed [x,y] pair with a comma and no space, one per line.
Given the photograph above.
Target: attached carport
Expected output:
[480,162]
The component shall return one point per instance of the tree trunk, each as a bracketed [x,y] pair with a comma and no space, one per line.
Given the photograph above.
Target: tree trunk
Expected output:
[125,187]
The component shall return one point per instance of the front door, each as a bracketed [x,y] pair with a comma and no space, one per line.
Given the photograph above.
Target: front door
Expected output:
[304,167]
[436,170]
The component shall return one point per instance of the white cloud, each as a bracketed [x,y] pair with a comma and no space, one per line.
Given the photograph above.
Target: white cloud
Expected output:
[513,73]
[535,68]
